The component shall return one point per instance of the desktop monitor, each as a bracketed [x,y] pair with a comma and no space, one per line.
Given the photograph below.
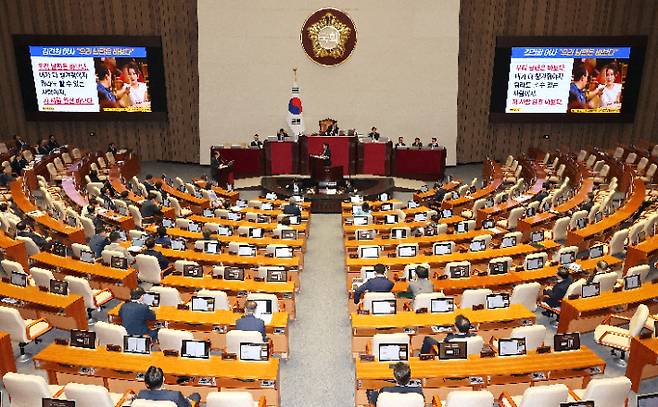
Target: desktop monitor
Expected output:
[488,224]
[212,247]
[194,227]
[266,206]
[495,301]
[241,203]
[584,403]
[581,223]
[441,305]
[195,349]
[511,347]
[537,236]
[547,206]
[224,231]
[233,216]
[386,207]
[591,290]
[462,227]
[383,307]
[119,262]
[369,252]
[58,249]
[393,352]
[360,220]
[424,188]
[294,220]
[137,344]
[412,204]
[178,244]
[356,209]
[498,267]
[202,304]
[631,282]
[208,213]
[596,251]
[452,350]
[365,234]
[446,213]
[598,217]
[567,257]
[530,211]
[398,233]
[167,223]
[356,199]
[276,275]
[368,273]
[151,299]
[647,400]
[420,217]
[193,270]
[83,339]
[263,307]
[138,242]
[534,263]
[641,235]
[59,287]
[459,272]
[566,342]
[57,403]
[383,196]
[390,219]
[489,202]
[270,196]
[508,241]
[19,279]
[233,274]
[442,248]
[87,256]
[246,250]
[283,252]
[288,234]
[407,251]
[72,221]
[254,352]
[477,245]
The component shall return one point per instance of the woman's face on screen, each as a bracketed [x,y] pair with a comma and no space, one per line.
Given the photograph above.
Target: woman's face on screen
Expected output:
[609,76]
[132,76]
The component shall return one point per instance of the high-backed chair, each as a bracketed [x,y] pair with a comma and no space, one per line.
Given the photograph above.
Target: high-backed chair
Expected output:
[220,297]
[169,296]
[573,223]
[109,334]
[41,276]
[22,330]
[10,266]
[557,177]
[148,269]
[543,256]
[172,339]
[235,337]
[478,204]
[474,344]
[484,239]
[513,218]
[94,299]
[106,256]
[642,270]
[388,339]
[630,158]
[559,231]
[136,215]
[616,247]
[233,399]
[452,246]
[526,294]
[152,403]
[425,300]
[31,248]
[91,395]
[265,296]
[400,400]
[651,171]
[474,297]
[537,396]
[369,297]
[619,338]
[534,335]
[606,280]
[180,211]
[27,390]
[605,392]
[603,174]
[458,398]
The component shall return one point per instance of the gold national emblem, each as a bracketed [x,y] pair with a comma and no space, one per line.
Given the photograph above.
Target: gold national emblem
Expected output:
[328,36]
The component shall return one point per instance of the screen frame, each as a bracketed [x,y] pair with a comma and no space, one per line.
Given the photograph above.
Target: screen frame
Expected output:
[155,56]
[501,64]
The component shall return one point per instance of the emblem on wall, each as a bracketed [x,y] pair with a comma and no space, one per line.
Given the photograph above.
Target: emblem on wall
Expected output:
[328,36]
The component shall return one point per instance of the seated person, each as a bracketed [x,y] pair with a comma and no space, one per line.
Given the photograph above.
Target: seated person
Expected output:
[161,237]
[545,191]
[148,183]
[432,228]
[365,210]
[462,328]
[291,208]
[601,268]
[52,142]
[158,187]
[281,135]
[135,315]
[553,296]
[6,177]
[24,230]
[150,251]
[207,236]
[400,143]
[154,379]
[106,196]
[377,284]
[43,149]
[417,143]
[124,197]
[439,194]
[589,203]
[434,143]
[112,148]
[256,142]
[90,212]
[93,176]
[150,208]
[374,135]
[249,321]
[402,375]
[99,241]
[116,246]
[8,213]
[422,284]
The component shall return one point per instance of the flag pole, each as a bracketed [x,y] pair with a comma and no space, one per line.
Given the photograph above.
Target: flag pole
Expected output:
[294,71]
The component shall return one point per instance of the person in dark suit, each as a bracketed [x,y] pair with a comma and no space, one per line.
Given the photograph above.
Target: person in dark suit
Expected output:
[434,143]
[439,194]
[215,162]
[462,330]
[374,135]
[52,143]
[15,164]
[417,143]
[22,161]
[281,135]
[553,296]
[256,142]
[158,187]
[402,375]
[135,315]
[150,208]
[326,154]
[150,251]
[602,267]
[249,321]
[43,147]
[161,237]
[154,379]
[23,230]
[148,183]
[333,130]
[292,208]
[400,143]
[20,143]
[6,177]
[545,191]
[93,176]
[589,204]
[377,284]
[111,148]
[98,241]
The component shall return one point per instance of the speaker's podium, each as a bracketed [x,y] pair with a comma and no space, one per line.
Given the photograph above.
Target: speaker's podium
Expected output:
[326,176]
[225,174]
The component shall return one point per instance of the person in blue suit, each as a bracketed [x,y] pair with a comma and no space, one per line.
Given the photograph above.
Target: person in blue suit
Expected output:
[135,315]
[249,322]
[377,284]
[154,379]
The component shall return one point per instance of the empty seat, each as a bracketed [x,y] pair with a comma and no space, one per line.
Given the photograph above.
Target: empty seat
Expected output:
[480,398]
[620,338]
[537,396]
[90,395]
[526,294]
[148,269]
[94,299]
[474,297]
[220,297]
[109,334]
[41,276]
[172,339]
[169,296]
[388,339]
[22,330]
[233,399]
[400,400]
[27,390]
[235,337]
[605,392]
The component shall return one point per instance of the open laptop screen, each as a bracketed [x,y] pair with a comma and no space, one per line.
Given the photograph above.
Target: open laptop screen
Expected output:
[511,347]
[369,252]
[254,352]
[407,251]
[203,304]
[83,339]
[440,305]
[452,350]
[508,241]
[383,307]
[151,299]
[442,248]
[59,287]
[393,352]
[591,290]
[566,342]
[19,279]
[497,301]
[195,349]
[459,272]
[137,344]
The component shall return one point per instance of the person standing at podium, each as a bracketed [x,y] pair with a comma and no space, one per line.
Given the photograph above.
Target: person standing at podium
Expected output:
[214,165]
[326,154]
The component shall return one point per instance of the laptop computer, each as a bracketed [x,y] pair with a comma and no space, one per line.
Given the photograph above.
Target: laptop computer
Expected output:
[566,342]
[511,347]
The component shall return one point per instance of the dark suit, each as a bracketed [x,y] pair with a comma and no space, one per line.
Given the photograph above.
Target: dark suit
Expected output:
[439,195]
[394,389]
[43,150]
[162,260]
[251,323]
[327,153]
[135,317]
[429,342]
[166,395]
[587,206]
[292,209]
[149,209]
[554,295]
[258,144]
[164,241]
[214,168]
[38,240]
[540,196]
[374,285]
[97,243]
[373,135]
[53,144]
[149,186]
